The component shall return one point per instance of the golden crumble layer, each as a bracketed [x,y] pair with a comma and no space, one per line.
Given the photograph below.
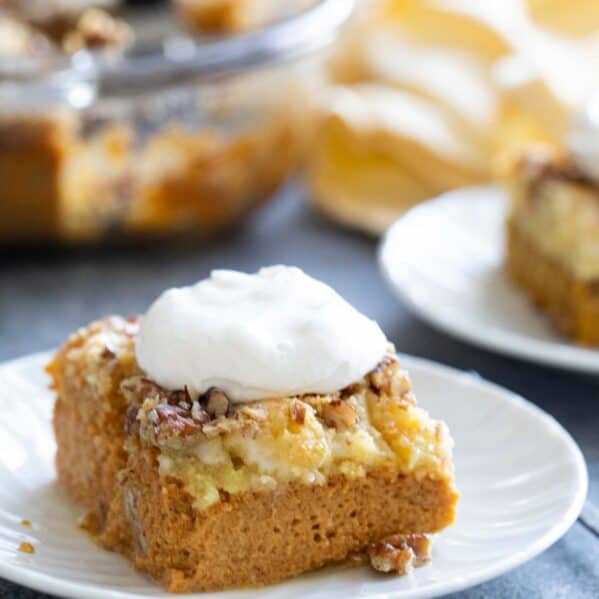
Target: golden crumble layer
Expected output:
[557,207]
[374,423]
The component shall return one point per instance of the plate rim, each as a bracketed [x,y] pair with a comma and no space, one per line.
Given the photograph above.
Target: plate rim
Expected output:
[558,354]
[56,586]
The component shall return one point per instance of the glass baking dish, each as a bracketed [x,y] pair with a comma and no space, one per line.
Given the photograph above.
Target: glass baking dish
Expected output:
[179,134]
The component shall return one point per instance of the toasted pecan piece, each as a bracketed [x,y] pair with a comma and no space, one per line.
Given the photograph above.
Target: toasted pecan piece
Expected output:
[216,402]
[175,421]
[298,412]
[339,414]
[400,553]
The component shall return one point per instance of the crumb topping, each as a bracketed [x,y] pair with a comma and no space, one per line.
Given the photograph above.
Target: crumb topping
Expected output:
[216,447]
[169,418]
[557,205]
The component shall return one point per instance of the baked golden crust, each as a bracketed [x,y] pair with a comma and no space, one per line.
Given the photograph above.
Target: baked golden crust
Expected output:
[552,244]
[185,486]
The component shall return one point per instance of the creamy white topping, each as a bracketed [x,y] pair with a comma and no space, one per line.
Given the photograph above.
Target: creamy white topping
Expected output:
[275,333]
[583,141]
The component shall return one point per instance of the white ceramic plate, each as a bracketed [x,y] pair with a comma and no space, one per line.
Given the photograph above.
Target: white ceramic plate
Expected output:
[444,260]
[523,482]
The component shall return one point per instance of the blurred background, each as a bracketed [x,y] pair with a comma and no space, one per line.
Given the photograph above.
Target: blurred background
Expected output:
[144,143]
[129,121]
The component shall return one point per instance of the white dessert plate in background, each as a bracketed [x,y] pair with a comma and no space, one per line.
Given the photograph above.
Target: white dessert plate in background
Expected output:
[522,478]
[444,258]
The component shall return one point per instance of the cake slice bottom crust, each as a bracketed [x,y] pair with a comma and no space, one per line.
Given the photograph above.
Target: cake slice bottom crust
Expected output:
[571,303]
[252,539]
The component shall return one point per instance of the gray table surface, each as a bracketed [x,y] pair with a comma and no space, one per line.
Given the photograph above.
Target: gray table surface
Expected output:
[44,295]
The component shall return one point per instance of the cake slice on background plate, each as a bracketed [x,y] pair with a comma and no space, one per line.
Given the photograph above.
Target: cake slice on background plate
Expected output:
[552,249]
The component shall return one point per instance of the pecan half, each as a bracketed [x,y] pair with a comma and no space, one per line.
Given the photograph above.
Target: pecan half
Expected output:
[380,378]
[216,402]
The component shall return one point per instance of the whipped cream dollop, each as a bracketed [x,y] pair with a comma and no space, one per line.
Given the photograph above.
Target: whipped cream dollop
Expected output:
[271,334]
[583,141]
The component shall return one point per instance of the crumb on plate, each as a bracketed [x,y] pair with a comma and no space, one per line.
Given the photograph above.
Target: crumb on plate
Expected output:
[25,547]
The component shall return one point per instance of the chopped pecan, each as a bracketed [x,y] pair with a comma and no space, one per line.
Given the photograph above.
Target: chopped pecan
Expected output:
[390,381]
[181,398]
[257,413]
[140,387]
[131,418]
[400,553]
[385,557]
[216,402]
[198,413]
[298,412]
[350,390]
[420,543]
[173,420]
[108,353]
[379,377]
[339,414]
[378,380]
